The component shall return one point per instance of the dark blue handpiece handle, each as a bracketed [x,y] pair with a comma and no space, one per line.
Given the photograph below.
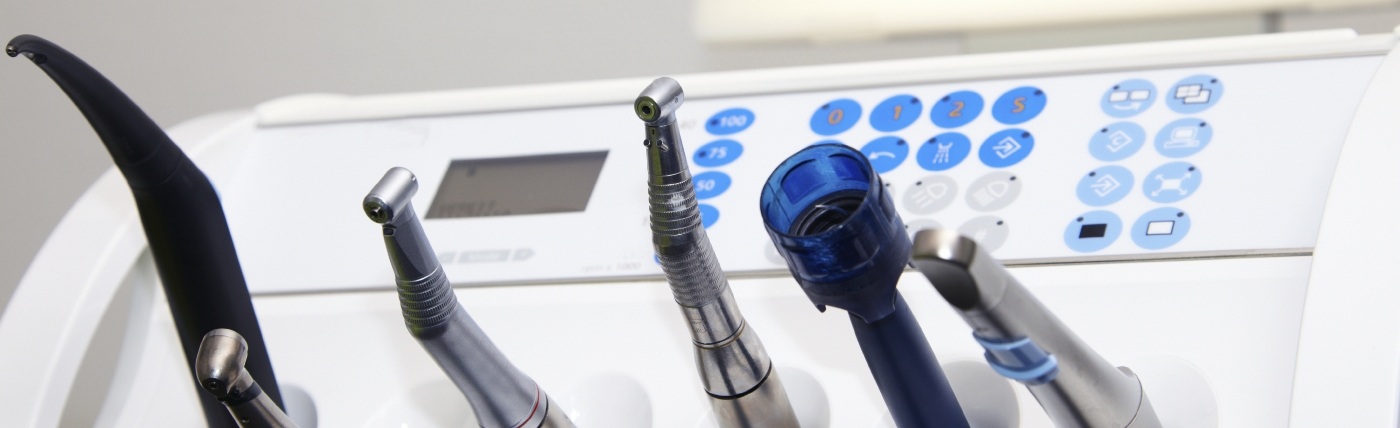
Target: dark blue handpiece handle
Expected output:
[910,379]
[829,216]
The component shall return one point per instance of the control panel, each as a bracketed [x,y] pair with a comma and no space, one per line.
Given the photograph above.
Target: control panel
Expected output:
[1171,162]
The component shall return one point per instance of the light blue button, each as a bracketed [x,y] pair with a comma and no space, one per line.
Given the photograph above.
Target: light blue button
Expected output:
[730,121]
[710,184]
[1171,182]
[1161,228]
[886,153]
[1019,105]
[718,153]
[1184,137]
[1128,98]
[896,113]
[1117,141]
[1093,231]
[943,151]
[1194,94]
[1006,148]
[956,109]
[708,215]
[835,117]
[1105,185]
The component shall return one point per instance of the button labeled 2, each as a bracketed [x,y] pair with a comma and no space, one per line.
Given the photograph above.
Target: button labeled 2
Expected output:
[956,109]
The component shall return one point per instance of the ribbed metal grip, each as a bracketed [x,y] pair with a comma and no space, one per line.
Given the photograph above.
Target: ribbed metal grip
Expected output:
[681,244]
[427,303]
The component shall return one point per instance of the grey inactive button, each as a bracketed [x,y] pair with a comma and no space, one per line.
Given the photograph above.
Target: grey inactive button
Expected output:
[993,191]
[989,231]
[930,194]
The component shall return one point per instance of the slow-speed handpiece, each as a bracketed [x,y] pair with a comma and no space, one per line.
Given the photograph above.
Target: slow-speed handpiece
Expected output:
[1026,342]
[831,219]
[737,374]
[218,367]
[500,394]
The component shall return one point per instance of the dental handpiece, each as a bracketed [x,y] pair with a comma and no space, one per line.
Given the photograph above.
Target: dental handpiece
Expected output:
[1024,341]
[219,369]
[735,369]
[830,217]
[180,213]
[500,394]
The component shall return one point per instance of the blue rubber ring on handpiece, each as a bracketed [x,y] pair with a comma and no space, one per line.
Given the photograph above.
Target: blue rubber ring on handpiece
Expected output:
[1020,360]
[855,262]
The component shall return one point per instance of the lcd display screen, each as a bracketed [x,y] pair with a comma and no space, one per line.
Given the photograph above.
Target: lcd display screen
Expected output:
[554,183]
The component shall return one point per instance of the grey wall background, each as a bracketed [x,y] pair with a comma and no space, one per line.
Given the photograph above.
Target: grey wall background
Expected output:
[183,59]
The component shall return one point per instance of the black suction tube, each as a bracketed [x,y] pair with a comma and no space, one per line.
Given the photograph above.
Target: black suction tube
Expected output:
[181,214]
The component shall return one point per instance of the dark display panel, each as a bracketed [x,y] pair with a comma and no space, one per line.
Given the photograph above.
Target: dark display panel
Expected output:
[543,184]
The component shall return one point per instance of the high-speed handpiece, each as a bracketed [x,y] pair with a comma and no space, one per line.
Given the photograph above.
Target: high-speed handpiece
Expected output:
[219,369]
[1026,342]
[830,217]
[735,369]
[181,214]
[500,394]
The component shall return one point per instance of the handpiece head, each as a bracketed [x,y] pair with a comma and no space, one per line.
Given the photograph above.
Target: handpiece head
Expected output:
[391,196]
[219,363]
[657,104]
[831,218]
[945,257]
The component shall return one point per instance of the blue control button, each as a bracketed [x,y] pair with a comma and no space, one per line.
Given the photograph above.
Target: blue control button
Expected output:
[1093,231]
[1128,98]
[1105,185]
[708,215]
[956,109]
[896,113]
[835,117]
[1019,105]
[1184,137]
[710,184]
[718,153]
[1171,182]
[1161,228]
[1006,148]
[729,121]
[886,153]
[943,151]
[1194,94]
[1117,141]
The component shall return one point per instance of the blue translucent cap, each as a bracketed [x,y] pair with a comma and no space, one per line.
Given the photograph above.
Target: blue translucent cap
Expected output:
[832,220]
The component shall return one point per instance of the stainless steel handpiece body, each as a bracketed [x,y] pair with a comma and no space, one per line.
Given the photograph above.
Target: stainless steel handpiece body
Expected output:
[737,374]
[1025,341]
[219,369]
[499,393]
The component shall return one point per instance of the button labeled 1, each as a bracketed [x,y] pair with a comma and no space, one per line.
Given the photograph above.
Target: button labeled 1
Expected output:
[896,113]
